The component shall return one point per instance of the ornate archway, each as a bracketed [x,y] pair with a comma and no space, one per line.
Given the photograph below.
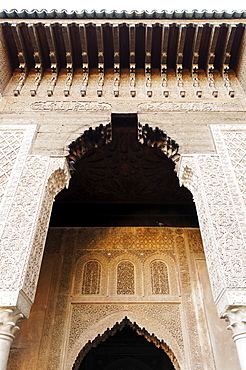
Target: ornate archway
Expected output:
[126,354]
[129,167]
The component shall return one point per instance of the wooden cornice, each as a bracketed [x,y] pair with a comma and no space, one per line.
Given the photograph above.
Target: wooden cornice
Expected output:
[125,44]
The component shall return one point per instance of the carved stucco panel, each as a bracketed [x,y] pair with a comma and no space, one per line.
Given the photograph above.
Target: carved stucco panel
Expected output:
[163,320]
[10,143]
[24,233]
[16,140]
[231,146]
[219,224]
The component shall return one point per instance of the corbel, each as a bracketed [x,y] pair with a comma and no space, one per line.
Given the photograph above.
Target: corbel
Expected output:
[226,59]
[148,47]
[100,54]
[53,58]
[164,49]
[85,78]
[211,58]
[132,45]
[21,57]
[180,83]
[38,57]
[69,58]
[164,81]
[227,82]
[22,78]
[69,79]
[132,79]
[211,82]
[195,60]
[85,61]
[195,81]
[53,80]
[100,81]
[179,60]
[116,43]
[148,79]
[116,79]
[37,79]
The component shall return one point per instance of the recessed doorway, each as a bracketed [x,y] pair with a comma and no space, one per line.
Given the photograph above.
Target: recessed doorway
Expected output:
[126,350]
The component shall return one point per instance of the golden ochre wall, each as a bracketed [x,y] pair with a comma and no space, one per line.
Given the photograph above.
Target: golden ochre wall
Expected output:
[176,307]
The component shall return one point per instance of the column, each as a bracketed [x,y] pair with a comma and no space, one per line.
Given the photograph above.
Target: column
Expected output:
[8,319]
[236,317]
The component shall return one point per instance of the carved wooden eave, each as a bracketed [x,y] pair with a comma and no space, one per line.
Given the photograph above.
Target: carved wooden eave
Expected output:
[39,45]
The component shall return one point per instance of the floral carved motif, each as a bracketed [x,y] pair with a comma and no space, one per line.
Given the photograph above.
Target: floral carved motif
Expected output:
[125,278]
[91,278]
[221,231]
[24,232]
[159,278]
[10,142]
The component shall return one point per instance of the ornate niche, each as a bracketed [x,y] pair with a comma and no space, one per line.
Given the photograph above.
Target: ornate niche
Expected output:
[125,278]
[91,277]
[159,277]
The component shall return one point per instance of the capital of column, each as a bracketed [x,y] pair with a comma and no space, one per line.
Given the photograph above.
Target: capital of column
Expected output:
[237,323]
[236,316]
[9,317]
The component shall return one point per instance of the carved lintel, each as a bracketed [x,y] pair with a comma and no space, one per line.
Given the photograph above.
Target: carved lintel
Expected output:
[9,317]
[69,79]
[116,79]
[52,80]
[211,82]
[227,82]
[22,79]
[132,80]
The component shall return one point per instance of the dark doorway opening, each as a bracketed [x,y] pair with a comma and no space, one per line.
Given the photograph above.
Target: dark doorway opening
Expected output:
[123,174]
[126,350]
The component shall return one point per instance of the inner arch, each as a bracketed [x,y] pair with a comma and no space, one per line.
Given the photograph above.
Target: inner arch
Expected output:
[126,346]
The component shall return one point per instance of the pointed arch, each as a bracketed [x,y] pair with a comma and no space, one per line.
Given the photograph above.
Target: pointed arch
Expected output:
[144,324]
[117,328]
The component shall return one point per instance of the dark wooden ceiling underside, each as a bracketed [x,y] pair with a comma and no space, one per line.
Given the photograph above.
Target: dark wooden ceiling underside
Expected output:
[158,45]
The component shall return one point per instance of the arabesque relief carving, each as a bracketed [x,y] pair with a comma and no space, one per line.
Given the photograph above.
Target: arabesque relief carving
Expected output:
[125,278]
[221,231]
[91,278]
[159,278]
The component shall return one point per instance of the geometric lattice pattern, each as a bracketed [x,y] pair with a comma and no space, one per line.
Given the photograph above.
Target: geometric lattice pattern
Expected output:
[159,278]
[125,278]
[91,278]
[236,146]
[10,142]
